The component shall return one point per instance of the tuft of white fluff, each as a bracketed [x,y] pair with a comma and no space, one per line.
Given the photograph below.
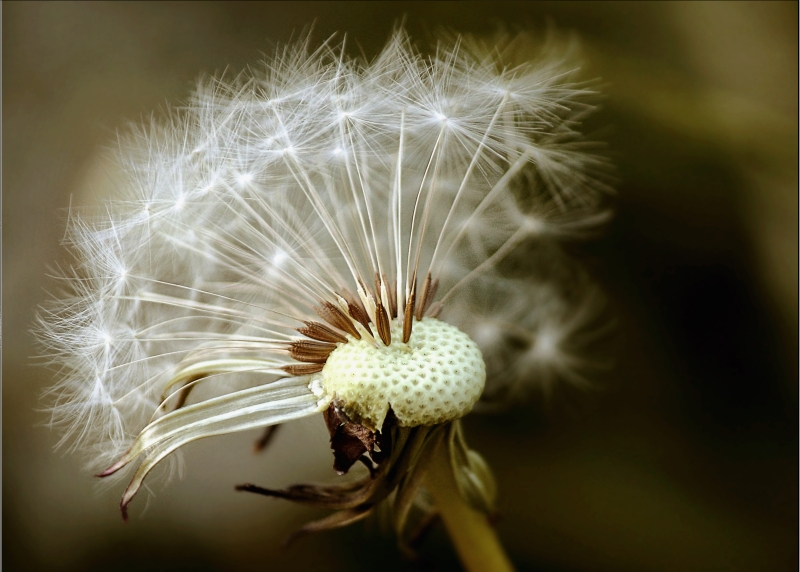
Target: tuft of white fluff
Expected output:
[535,331]
[285,186]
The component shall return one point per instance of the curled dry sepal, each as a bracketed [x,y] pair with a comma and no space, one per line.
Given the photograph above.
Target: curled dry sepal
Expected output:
[397,459]
[327,236]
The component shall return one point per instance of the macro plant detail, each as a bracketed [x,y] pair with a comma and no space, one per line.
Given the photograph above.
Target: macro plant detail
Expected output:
[325,236]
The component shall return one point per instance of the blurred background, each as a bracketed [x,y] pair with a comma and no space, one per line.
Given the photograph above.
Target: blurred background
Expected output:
[686,458]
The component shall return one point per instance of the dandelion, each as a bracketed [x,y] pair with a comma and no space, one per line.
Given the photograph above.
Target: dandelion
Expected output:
[324,236]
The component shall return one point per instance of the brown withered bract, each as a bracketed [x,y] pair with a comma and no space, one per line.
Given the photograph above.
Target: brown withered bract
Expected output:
[350,441]
[393,467]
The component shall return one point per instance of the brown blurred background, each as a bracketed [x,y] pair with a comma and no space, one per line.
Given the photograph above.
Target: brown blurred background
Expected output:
[686,459]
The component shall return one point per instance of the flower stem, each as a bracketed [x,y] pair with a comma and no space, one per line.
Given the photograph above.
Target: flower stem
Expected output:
[472,535]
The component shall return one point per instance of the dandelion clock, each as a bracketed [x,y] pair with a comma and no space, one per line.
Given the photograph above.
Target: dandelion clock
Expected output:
[327,236]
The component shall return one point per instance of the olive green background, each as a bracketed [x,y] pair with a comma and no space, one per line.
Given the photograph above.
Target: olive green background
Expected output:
[685,458]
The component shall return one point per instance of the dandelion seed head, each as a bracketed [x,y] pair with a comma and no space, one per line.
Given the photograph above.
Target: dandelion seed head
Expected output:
[304,236]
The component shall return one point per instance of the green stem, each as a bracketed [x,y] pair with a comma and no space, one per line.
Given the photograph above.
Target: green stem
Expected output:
[472,535]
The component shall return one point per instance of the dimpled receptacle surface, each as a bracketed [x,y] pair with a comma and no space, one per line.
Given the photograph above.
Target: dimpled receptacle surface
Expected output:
[436,377]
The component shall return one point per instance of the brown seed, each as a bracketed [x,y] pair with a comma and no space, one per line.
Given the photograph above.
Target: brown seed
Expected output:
[359,315]
[303,369]
[408,315]
[431,295]
[321,332]
[423,298]
[313,352]
[384,326]
[356,309]
[353,299]
[336,318]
